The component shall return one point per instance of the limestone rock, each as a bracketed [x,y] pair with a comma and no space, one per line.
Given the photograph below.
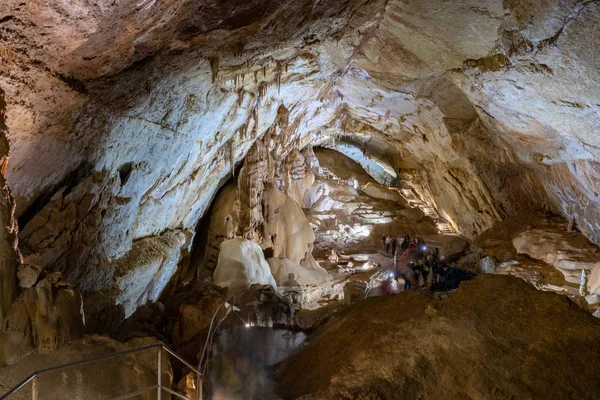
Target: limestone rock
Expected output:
[355,290]
[487,265]
[197,305]
[385,331]
[470,260]
[28,275]
[281,268]
[569,252]
[451,247]
[125,120]
[104,379]
[381,192]
[9,253]
[45,317]
[242,264]
[593,284]
[144,272]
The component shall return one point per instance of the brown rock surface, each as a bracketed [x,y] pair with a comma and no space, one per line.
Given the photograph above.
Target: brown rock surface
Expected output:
[495,337]
[104,379]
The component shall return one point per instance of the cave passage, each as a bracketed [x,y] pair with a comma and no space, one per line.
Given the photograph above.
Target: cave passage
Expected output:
[220,174]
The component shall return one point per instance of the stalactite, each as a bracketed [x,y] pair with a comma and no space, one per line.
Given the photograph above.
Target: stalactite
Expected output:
[214,68]
[232,157]
[262,90]
[278,73]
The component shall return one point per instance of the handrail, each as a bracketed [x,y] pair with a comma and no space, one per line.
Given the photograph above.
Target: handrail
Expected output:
[159,345]
[211,333]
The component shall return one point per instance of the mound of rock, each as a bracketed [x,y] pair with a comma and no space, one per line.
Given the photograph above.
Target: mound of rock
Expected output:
[496,337]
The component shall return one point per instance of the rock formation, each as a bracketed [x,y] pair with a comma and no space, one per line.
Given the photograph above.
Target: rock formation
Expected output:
[242,264]
[9,253]
[126,118]
[426,348]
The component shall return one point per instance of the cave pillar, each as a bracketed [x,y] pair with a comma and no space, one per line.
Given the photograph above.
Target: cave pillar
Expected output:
[9,253]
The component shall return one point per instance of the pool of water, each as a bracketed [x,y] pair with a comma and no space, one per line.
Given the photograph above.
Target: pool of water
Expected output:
[241,359]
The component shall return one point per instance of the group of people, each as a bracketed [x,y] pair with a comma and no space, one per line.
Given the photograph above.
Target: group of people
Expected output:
[413,261]
[419,264]
[403,243]
[394,243]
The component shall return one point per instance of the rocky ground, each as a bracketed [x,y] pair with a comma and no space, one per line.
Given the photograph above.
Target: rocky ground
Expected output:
[495,337]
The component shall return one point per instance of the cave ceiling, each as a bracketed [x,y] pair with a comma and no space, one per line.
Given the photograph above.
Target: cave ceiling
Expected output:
[493,103]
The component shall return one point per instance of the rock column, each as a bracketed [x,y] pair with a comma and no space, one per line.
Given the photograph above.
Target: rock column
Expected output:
[9,253]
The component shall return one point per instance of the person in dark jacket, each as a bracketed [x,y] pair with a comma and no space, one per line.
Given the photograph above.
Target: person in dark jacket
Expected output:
[426,269]
[405,243]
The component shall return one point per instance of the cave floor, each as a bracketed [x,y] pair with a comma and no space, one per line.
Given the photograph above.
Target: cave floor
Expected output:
[495,337]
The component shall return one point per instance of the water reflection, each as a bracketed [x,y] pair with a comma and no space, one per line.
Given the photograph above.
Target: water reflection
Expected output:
[241,357]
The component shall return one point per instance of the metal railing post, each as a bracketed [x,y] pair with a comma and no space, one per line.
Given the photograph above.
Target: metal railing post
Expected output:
[34,388]
[159,393]
[198,387]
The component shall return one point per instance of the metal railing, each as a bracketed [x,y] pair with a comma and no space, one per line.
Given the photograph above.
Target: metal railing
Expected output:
[34,378]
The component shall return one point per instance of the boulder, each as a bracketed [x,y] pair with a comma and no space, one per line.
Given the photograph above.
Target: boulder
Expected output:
[451,248]
[241,264]
[28,274]
[195,315]
[470,261]
[473,248]
[45,317]
[354,291]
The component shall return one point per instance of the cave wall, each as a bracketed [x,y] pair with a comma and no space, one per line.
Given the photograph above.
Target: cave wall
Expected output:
[125,119]
[9,252]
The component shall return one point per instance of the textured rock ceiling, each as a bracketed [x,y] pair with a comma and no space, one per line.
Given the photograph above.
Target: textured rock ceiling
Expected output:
[125,116]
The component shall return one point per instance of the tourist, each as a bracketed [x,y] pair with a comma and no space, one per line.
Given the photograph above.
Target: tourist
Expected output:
[407,274]
[416,267]
[425,270]
[291,282]
[383,238]
[394,244]
[436,255]
[405,242]
[388,242]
